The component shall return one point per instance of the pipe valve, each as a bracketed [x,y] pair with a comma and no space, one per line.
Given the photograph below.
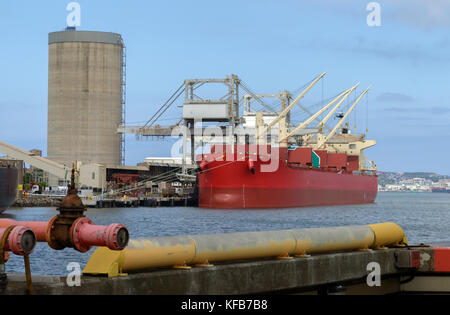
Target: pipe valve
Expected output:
[72,229]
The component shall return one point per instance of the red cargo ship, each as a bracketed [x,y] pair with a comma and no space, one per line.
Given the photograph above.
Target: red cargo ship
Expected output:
[304,177]
[324,167]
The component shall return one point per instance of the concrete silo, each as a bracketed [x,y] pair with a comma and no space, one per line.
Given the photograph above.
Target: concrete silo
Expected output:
[86,97]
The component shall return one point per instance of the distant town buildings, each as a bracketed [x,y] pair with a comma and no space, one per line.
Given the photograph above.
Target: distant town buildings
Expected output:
[389,181]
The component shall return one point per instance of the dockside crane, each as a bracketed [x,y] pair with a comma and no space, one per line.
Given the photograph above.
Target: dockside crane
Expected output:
[226,109]
[281,117]
[322,140]
[343,96]
[346,143]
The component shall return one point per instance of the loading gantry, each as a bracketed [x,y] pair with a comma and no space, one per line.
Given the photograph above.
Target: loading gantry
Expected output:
[233,116]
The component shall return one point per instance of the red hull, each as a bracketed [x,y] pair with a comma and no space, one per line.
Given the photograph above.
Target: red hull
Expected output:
[231,185]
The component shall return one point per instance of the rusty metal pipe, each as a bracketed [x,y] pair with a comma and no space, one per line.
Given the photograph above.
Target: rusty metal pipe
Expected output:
[20,240]
[83,233]
[39,228]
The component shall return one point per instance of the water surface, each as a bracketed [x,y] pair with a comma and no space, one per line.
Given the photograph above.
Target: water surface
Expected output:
[425,218]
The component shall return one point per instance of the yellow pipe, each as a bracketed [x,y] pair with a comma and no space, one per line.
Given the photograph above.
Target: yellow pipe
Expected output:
[245,245]
[157,252]
[331,239]
[388,234]
[202,249]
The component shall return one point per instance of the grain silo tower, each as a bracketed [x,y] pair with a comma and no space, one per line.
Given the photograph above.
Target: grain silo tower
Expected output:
[86,97]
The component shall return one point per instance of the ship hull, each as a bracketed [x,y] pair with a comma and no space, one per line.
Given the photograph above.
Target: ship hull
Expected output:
[8,187]
[226,185]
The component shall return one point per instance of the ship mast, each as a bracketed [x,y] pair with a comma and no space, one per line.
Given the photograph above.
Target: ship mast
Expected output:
[304,124]
[322,141]
[285,111]
[343,143]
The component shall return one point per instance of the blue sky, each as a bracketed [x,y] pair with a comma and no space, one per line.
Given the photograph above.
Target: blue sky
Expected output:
[271,45]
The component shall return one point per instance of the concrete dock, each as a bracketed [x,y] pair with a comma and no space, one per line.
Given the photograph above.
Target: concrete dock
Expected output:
[130,202]
[173,201]
[402,271]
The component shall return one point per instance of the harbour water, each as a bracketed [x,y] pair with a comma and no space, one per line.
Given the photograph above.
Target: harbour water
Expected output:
[424,217]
